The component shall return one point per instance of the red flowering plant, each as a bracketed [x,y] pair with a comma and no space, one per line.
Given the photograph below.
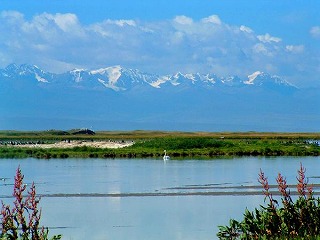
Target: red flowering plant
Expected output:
[23,219]
[298,219]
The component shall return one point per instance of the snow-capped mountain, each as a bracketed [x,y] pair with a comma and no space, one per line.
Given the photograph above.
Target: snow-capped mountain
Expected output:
[260,78]
[118,78]
[122,98]
[26,72]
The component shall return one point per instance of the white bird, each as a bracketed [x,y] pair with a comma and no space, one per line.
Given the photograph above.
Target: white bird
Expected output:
[166,157]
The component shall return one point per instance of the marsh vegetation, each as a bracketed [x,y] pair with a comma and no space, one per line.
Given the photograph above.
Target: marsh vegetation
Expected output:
[279,219]
[152,143]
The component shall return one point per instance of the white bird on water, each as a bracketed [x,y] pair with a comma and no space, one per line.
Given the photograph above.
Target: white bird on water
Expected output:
[166,157]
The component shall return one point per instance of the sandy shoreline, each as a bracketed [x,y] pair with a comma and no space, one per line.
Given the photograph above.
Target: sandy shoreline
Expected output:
[72,144]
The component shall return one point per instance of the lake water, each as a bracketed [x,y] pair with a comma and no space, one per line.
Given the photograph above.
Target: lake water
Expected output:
[150,199]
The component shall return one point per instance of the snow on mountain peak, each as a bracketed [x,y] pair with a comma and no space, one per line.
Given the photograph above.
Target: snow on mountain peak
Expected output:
[109,76]
[177,75]
[159,81]
[209,78]
[260,78]
[76,70]
[112,73]
[232,81]
[77,74]
[190,76]
[252,77]
[41,79]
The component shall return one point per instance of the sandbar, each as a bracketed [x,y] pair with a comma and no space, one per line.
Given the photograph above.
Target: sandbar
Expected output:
[74,143]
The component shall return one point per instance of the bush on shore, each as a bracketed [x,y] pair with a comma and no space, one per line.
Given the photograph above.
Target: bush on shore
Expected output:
[298,219]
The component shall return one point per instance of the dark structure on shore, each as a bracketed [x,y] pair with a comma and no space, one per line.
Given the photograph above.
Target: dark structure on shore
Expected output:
[84,131]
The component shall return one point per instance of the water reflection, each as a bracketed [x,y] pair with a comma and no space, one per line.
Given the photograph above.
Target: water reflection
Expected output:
[148,199]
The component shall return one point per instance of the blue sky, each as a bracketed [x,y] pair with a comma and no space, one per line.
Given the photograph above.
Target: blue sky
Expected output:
[226,37]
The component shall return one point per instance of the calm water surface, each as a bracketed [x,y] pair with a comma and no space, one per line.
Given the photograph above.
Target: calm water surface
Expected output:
[135,199]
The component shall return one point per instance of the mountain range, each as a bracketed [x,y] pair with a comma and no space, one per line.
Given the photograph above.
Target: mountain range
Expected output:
[119,78]
[120,98]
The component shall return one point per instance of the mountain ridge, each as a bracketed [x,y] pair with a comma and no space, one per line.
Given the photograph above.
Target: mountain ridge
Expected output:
[118,78]
[117,98]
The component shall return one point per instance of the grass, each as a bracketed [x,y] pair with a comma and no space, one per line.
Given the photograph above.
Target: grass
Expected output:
[177,144]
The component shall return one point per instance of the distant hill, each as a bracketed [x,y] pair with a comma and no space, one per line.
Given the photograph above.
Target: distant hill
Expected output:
[117,98]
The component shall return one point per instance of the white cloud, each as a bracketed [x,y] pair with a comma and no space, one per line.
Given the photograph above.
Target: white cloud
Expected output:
[212,19]
[260,48]
[11,15]
[122,22]
[246,29]
[60,42]
[66,22]
[315,31]
[264,50]
[295,48]
[267,38]
[53,26]
[183,20]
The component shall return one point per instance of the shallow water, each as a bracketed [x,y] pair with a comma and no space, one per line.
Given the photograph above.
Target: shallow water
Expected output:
[145,198]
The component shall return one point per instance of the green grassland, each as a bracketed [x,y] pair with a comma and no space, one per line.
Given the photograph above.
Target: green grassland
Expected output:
[152,143]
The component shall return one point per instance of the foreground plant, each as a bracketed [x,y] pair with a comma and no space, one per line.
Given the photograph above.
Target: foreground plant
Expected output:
[298,219]
[23,219]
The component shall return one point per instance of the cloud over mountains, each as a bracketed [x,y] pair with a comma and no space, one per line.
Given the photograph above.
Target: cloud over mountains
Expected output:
[60,42]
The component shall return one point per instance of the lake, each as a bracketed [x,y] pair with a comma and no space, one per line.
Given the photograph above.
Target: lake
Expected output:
[135,199]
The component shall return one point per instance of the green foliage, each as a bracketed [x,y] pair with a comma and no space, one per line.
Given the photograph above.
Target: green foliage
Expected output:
[178,145]
[23,219]
[184,143]
[288,220]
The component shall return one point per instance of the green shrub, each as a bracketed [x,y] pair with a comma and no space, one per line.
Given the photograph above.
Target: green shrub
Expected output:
[298,219]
